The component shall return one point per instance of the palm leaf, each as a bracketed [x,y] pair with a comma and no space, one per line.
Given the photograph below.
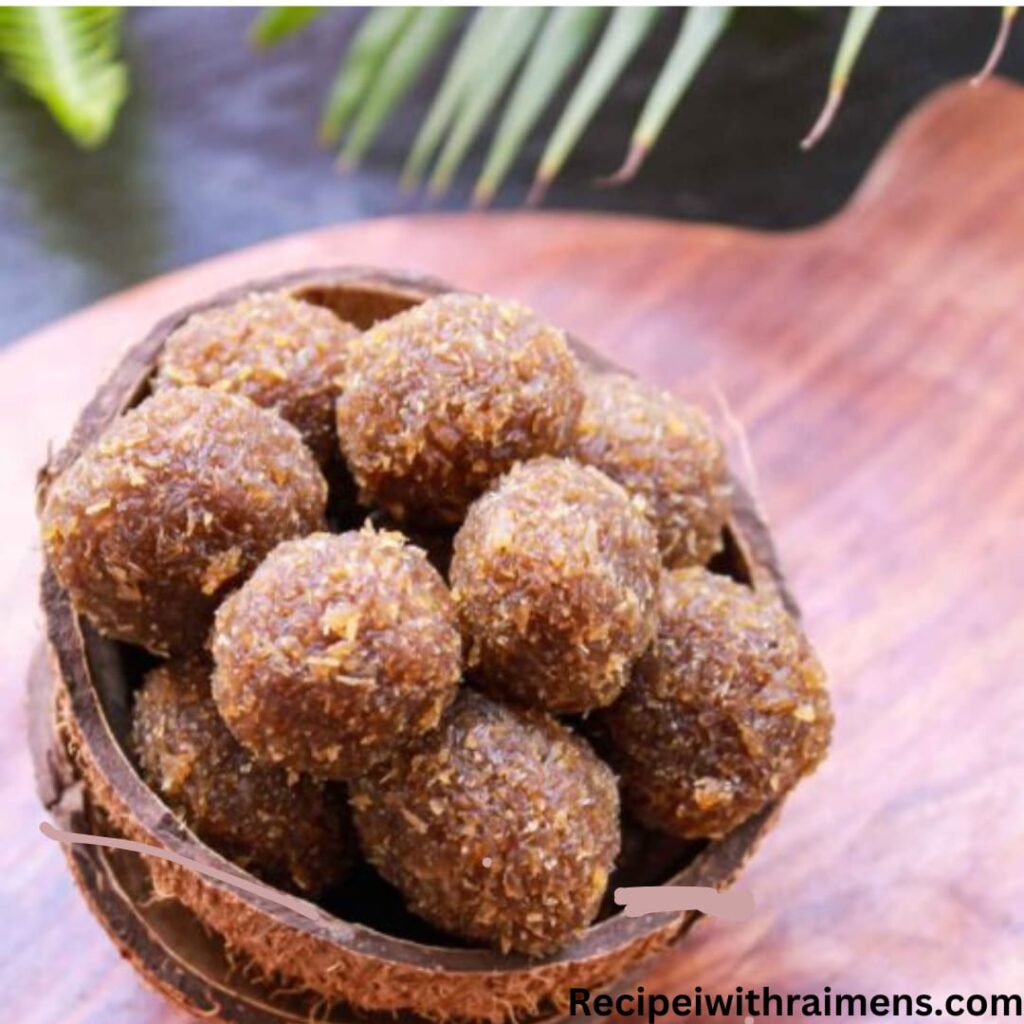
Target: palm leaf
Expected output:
[537,49]
[376,37]
[276,24]
[496,67]
[858,25]
[627,29]
[400,70]
[566,33]
[66,58]
[701,29]
[998,47]
[446,103]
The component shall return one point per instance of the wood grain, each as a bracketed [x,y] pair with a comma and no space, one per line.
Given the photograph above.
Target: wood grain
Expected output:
[876,365]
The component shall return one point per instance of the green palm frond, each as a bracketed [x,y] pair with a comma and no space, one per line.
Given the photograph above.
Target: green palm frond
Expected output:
[415,44]
[701,29]
[67,58]
[998,47]
[509,66]
[628,28]
[512,39]
[566,33]
[276,24]
[370,46]
[858,25]
[462,70]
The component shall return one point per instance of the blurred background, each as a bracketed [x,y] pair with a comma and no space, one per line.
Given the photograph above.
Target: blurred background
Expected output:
[216,145]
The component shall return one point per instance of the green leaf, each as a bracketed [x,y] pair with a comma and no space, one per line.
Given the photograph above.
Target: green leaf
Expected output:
[446,102]
[627,29]
[66,57]
[566,33]
[276,24]
[399,71]
[701,29]
[858,25]
[374,40]
[493,70]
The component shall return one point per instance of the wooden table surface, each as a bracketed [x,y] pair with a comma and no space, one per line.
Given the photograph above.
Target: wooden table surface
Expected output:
[876,364]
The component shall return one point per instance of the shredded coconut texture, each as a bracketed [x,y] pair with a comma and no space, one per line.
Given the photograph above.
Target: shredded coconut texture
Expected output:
[724,714]
[282,353]
[337,650]
[666,453]
[555,576]
[287,829]
[174,505]
[438,401]
[501,827]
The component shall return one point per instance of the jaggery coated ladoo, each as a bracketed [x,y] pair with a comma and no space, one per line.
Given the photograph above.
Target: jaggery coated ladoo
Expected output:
[555,574]
[724,714]
[291,831]
[664,451]
[176,503]
[338,649]
[282,353]
[438,401]
[501,826]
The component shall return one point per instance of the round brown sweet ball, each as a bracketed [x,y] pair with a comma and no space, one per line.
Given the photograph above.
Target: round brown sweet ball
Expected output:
[282,353]
[175,504]
[438,401]
[663,451]
[291,831]
[338,649]
[501,827]
[723,715]
[555,574]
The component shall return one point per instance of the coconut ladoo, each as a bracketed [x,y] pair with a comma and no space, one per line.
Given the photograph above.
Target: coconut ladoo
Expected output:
[176,503]
[289,830]
[555,575]
[280,352]
[338,649]
[440,400]
[664,451]
[724,714]
[501,826]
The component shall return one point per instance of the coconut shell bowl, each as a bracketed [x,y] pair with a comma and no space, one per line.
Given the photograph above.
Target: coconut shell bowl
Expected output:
[240,957]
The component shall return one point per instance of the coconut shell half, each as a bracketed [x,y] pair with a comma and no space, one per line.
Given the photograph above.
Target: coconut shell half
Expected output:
[227,955]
